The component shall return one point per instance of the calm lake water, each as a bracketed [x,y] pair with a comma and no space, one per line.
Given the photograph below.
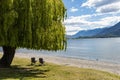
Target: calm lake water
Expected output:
[102,49]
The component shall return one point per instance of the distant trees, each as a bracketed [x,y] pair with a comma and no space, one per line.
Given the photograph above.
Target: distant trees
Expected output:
[33,24]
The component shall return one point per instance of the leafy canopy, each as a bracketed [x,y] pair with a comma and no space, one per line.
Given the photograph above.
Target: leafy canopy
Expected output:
[34,24]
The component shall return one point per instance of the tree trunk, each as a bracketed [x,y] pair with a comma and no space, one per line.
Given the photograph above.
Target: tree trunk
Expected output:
[8,55]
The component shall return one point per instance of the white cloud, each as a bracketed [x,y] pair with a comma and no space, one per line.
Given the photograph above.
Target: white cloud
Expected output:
[103,6]
[74,24]
[114,7]
[72,30]
[98,3]
[73,9]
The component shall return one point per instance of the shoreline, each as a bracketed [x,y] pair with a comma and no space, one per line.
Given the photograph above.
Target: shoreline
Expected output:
[80,63]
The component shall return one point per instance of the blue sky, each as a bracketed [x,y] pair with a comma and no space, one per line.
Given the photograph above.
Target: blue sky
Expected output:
[90,14]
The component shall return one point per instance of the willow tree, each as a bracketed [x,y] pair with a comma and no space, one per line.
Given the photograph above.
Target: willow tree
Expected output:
[32,24]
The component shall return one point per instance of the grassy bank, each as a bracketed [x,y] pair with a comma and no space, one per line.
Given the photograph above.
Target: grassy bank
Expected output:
[22,70]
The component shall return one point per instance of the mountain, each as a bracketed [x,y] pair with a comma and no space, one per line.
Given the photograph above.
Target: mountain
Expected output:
[88,33]
[113,31]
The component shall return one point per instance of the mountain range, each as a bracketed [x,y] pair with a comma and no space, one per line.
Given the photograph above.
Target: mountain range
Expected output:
[113,31]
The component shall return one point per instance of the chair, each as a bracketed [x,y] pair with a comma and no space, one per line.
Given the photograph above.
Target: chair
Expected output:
[33,61]
[41,61]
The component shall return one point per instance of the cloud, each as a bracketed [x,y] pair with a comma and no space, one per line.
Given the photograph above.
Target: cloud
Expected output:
[103,6]
[73,9]
[114,7]
[74,24]
[72,30]
[98,3]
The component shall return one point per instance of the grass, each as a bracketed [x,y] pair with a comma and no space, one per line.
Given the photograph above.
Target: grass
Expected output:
[22,70]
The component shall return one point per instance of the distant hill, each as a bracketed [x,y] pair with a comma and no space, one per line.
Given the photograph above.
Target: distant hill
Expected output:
[113,31]
[88,33]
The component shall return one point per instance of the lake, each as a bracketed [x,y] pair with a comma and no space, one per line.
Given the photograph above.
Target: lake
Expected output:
[102,49]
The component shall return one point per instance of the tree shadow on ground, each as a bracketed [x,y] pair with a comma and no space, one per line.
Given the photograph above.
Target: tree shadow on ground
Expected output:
[17,72]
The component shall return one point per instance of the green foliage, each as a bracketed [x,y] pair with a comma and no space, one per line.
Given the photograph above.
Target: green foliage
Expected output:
[34,24]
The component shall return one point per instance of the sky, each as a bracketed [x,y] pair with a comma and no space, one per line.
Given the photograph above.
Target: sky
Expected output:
[90,14]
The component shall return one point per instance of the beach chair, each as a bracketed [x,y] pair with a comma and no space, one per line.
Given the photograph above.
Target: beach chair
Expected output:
[33,61]
[41,61]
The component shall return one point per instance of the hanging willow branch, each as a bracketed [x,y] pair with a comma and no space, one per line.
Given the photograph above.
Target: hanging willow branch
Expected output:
[35,24]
